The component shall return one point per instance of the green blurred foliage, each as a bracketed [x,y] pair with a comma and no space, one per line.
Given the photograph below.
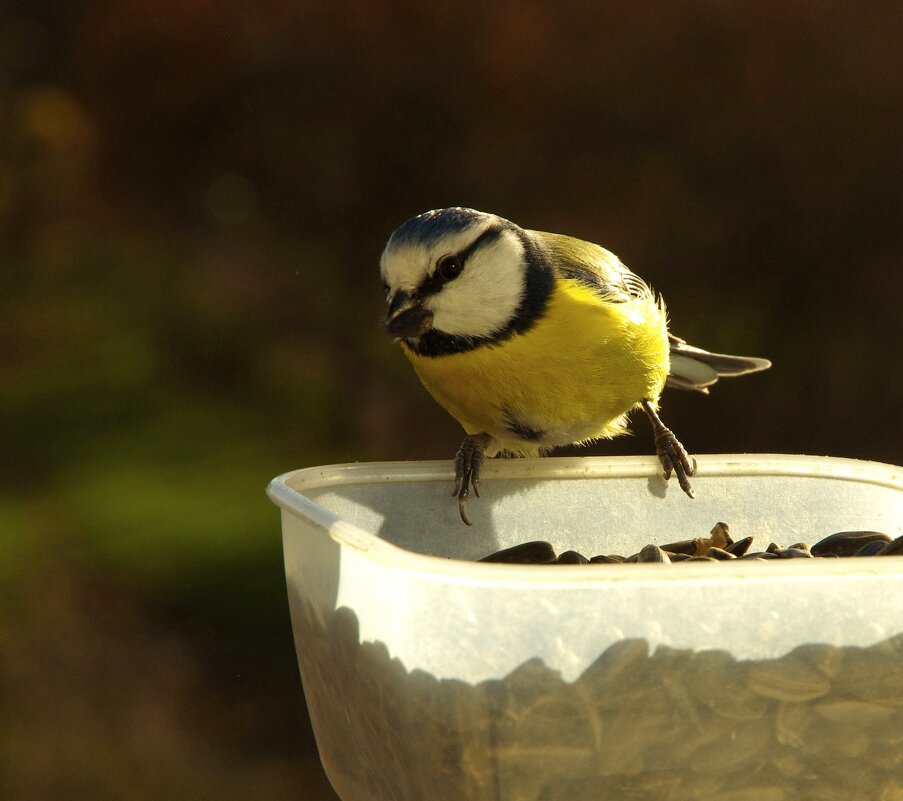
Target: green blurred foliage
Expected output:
[193,199]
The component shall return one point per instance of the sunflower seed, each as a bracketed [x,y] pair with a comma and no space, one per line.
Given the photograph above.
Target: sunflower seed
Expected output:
[846,543]
[739,547]
[607,560]
[538,552]
[873,548]
[572,558]
[652,553]
[786,680]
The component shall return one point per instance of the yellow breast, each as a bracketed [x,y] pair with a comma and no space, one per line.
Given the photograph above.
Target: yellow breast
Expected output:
[572,377]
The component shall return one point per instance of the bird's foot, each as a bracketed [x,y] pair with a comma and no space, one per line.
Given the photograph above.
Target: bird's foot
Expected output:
[670,452]
[468,466]
[675,458]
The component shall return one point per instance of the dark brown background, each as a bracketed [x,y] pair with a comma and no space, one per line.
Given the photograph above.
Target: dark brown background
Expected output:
[193,199]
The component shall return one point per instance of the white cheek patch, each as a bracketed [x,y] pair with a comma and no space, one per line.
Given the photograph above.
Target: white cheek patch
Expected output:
[404,269]
[485,297]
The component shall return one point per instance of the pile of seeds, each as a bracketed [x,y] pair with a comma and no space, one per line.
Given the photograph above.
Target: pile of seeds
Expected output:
[821,723]
[717,547]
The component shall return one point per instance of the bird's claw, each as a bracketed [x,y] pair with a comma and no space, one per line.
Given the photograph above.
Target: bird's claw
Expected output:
[468,466]
[674,458]
[671,453]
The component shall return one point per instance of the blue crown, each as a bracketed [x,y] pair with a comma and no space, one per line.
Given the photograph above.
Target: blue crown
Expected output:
[431,226]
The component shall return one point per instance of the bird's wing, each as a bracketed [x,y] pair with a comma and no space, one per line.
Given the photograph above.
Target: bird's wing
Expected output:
[697,369]
[593,266]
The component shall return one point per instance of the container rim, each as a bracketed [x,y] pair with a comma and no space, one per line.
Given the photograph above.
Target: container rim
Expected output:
[286,491]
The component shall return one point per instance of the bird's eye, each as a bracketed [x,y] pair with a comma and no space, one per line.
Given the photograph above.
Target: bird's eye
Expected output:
[449,267]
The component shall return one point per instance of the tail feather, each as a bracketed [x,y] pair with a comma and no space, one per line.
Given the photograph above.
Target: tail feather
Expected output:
[697,369]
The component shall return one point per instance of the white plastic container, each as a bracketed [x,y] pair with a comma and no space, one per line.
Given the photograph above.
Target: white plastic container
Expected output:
[431,676]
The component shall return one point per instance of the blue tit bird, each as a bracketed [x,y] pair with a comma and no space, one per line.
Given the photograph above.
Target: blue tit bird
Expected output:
[533,340]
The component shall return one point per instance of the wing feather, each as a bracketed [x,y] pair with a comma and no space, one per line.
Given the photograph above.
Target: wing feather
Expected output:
[593,266]
[697,369]
[600,270]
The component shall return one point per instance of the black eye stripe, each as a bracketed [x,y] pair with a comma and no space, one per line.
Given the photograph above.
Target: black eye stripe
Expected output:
[540,282]
[430,285]
[434,282]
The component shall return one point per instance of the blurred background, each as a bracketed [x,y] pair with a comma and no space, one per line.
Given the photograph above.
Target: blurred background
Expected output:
[193,199]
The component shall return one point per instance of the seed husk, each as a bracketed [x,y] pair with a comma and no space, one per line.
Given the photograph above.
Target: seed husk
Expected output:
[687,547]
[719,537]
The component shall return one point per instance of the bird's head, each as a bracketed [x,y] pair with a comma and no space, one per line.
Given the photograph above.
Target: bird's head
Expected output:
[455,274]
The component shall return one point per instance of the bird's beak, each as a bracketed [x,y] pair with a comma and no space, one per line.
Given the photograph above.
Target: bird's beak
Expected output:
[405,317]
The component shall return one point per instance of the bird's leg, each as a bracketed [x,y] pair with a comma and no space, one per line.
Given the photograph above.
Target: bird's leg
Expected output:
[468,466]
[670,452]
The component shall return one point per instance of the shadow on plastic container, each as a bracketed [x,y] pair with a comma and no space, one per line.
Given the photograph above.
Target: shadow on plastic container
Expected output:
[422,516]
[414,522]
[821,722]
